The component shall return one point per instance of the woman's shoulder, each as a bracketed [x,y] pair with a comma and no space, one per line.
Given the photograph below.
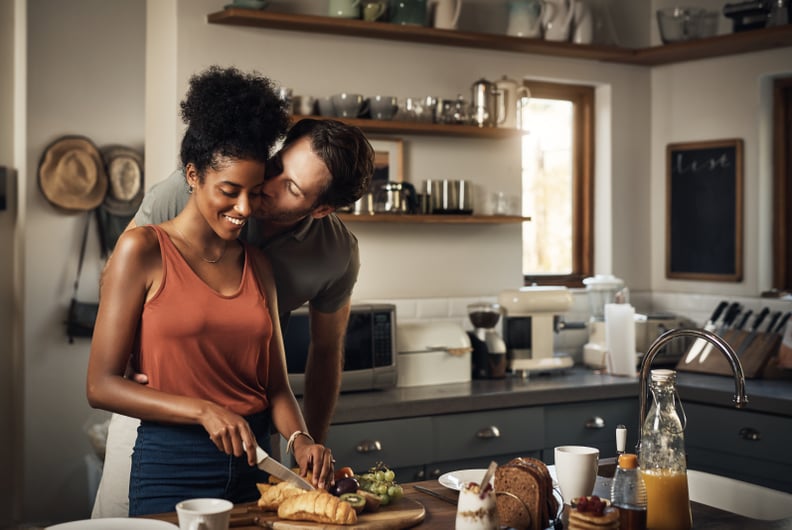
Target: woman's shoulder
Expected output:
[140,242]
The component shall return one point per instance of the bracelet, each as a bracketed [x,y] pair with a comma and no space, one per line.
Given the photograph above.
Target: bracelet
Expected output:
[295,434]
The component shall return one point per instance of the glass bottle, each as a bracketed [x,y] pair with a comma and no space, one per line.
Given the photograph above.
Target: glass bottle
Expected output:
[628,493]
[662,457]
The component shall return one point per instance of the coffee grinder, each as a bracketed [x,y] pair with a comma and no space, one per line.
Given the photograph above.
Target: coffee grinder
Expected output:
[489,349]
[532,314]
[601,289]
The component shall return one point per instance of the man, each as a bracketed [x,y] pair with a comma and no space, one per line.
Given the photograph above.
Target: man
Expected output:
[323,165]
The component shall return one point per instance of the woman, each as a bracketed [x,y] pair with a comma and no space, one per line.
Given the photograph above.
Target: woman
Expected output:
[201,306]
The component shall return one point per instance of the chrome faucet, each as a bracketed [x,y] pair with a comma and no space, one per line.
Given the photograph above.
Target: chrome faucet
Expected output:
[740,398]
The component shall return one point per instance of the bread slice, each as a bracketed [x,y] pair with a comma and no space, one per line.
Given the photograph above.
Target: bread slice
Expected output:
[524,493]
[318,506]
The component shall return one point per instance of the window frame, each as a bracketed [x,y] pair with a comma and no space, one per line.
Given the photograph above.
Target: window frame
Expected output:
[582,99]
[782,184]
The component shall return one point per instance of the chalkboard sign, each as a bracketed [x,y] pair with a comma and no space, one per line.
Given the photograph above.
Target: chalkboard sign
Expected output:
[704,210]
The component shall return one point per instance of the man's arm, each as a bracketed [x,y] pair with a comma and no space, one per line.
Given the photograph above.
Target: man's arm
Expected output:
[323,369]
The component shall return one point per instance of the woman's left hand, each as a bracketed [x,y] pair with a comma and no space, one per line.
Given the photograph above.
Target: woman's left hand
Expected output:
[317,460]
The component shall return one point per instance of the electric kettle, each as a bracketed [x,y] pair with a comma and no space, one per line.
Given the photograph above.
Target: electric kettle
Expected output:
[484,104]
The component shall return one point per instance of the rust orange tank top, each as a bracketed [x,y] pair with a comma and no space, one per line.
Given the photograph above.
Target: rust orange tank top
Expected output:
[197,342]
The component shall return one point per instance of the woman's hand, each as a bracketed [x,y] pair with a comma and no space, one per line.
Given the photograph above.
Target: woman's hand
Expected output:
[316,459]
[229,431]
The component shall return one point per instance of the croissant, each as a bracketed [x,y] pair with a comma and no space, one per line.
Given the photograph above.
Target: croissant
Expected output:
[273,495]
[318,506]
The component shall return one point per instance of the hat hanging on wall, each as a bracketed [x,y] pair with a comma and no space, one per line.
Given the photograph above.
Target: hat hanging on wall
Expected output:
[72,175]
[124,168]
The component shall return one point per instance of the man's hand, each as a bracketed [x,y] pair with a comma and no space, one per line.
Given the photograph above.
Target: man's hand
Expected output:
[323,369]
[133,375]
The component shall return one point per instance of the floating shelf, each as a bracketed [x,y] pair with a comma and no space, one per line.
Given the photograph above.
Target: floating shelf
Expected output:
[423,128]
[432,219]
[720,45]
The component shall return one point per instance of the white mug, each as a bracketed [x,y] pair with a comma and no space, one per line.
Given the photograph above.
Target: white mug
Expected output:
[204,514]
[576,470]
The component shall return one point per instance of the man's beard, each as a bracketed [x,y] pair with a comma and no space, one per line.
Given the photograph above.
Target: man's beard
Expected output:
[282,217]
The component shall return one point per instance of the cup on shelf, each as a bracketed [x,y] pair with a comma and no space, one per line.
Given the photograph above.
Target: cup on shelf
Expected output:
[304,105]
[348,105]
[374,10]
[326,107]
[409,12]
[343,8]
[383,107]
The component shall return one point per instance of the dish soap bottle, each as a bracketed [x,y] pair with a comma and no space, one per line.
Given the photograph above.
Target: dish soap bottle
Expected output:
[662,457]
[628,493]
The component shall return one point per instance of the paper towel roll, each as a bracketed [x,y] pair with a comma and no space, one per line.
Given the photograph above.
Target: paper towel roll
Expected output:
[620,339]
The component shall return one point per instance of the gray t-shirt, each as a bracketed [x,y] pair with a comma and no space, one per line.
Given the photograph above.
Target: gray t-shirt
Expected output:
[317,261]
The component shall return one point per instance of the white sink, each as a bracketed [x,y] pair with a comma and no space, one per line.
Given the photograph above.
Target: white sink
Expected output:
[735,496]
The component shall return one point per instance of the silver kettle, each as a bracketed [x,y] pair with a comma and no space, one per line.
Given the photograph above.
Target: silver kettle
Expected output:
[484,104]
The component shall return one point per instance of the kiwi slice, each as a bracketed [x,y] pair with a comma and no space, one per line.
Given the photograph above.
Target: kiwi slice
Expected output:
[357,502]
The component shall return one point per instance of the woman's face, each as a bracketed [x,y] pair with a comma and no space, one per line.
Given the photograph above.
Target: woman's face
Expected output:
[226,196]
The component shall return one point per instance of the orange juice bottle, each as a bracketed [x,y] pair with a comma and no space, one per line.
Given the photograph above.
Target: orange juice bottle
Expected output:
[662,457]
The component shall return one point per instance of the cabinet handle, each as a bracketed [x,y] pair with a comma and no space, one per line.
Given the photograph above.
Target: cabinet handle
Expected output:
[752,435]
[420,476]
[435,473]
[488,432]
[595,423]
[369,446]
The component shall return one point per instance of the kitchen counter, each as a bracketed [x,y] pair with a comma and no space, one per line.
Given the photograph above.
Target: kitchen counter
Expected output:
[441,514]
[577,384]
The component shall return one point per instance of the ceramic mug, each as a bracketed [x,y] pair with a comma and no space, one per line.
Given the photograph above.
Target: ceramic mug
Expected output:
[343,8]
[325,105]
[409,12]
[373,11]
[304,105]
[204,514]
[576,469]
[383,107]
[348,105]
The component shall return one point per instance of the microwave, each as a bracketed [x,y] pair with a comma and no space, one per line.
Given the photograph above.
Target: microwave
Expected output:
[369,348]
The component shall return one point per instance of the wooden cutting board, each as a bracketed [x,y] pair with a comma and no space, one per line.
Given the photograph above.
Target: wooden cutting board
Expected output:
[404,513]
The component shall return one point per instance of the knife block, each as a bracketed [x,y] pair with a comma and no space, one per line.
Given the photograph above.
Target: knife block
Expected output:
[753,359]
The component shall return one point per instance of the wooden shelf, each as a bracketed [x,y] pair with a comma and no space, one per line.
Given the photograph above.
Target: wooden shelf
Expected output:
[432,219]
[423,128]
[721,45]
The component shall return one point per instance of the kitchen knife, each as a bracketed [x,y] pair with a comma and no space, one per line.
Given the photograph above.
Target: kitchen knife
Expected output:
[266,463]
[695,349]
[728,318]
[782,325]
[743,320]
[773,319]
[754,331]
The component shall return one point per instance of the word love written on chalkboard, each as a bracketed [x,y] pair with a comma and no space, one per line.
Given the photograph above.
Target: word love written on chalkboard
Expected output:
[704,235]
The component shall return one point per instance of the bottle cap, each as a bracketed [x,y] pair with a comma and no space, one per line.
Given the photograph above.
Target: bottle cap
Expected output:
[628,461]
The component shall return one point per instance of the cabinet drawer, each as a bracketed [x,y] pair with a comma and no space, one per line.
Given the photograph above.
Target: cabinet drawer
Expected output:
[739,432]
[397,443]
[488,433]
[591,423]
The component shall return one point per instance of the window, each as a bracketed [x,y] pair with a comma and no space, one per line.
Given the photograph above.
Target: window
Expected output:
[557,184]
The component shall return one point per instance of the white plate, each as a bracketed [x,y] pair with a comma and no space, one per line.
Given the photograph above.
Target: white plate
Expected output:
[114,523]
[456,479]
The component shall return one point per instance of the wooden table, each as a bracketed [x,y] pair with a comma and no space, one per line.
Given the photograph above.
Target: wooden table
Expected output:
[441,515]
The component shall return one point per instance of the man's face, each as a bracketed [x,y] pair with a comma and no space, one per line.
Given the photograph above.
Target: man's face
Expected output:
[291,191]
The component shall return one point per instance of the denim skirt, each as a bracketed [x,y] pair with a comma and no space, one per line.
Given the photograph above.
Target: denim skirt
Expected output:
[171,463]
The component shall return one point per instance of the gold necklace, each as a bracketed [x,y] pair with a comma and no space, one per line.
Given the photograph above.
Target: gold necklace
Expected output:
[184,238]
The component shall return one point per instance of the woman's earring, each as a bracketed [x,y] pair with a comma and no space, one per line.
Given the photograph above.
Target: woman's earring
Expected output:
[190,190]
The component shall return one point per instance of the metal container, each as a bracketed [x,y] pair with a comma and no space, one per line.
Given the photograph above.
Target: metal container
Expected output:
[447,196]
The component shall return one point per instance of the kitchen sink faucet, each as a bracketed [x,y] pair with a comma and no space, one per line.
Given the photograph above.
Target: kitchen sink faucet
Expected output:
[740,398]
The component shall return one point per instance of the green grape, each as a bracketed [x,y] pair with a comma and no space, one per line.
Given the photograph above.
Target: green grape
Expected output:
[389,475]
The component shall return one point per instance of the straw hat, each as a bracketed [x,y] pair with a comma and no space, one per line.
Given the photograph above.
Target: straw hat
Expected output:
[124,167]
[71,174]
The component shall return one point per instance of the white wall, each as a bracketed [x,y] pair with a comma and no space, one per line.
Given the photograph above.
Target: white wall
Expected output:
[85,75]
[86,71]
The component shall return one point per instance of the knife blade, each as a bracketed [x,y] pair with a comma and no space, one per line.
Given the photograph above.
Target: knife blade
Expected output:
[728,318]
[266,463]
[754,331]
[695,349]
[440,496]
